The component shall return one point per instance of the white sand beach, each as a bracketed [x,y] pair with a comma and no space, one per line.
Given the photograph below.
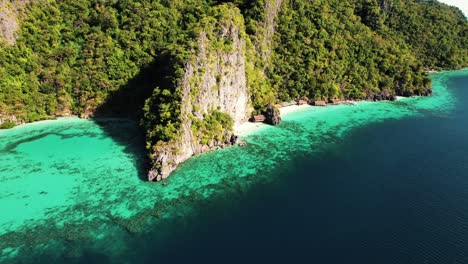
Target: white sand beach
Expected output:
[247,128]
[293,108]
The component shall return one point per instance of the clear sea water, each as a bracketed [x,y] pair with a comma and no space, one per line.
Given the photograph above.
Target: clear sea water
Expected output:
[383,182]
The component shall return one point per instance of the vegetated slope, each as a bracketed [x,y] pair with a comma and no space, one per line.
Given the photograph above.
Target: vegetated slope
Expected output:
[72,55]
[364,48]
[436,33]
[175,64]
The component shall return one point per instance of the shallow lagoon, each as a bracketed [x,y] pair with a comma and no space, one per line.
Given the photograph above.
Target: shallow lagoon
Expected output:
[73,189]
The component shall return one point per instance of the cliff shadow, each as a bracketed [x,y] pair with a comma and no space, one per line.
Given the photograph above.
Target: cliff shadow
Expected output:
[128,134]
[129,99]
[120,115]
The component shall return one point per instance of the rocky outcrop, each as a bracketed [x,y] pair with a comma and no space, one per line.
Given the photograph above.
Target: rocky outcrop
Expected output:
[388,96]
[380,96]
[427,93]
[215,79]
[9,121]
[10,118]
[9,19]
[273,115]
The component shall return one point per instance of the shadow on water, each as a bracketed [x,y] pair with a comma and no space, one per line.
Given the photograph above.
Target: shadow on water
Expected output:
[127,133]
[120,114]
[380,197]
[377,198]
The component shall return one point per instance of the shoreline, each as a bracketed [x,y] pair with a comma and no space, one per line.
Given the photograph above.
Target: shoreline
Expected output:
[233,173]
[294,108]
[42,122]
[246,128]
[242,130]
[61,118]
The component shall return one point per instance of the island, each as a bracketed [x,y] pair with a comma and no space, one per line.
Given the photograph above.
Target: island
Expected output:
[192,72]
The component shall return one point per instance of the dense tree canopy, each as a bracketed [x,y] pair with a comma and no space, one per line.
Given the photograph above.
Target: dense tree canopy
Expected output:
[127,57]
[324,52]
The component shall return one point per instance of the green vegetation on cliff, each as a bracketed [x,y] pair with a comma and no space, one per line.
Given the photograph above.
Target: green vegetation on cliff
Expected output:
[7,125]
[324,52]
[329,49]
[72,56]
[212,127]
[128,57]
[437,34]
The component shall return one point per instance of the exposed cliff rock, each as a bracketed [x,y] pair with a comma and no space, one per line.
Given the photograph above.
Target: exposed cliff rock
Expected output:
[10,119]
[222,76]
[214,82]
[273,115]
[389,96]
[9,19]
[380,96]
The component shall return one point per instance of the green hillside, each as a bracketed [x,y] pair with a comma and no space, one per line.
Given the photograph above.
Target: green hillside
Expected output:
[127,58]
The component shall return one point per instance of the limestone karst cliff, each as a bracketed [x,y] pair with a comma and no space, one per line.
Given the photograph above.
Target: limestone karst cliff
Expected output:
[226,70]
[191,71]
[214,81]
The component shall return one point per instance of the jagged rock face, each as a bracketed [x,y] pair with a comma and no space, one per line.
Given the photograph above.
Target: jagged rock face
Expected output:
[214,80]
[218,78]
[9,21]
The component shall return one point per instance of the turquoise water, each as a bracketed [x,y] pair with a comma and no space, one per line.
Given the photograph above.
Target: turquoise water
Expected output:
[72,185]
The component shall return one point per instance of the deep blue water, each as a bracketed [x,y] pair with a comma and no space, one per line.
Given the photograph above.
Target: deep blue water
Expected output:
[387,192]
[395,192]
